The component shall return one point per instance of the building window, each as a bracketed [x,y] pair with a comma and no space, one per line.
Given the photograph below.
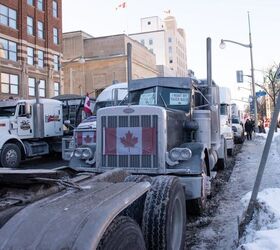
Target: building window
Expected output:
[8,49]
[143,41]
[9,84]
[42,88]
[8,16]
[40,29]
[31,86]
[56,88]
[170,60]
[56,62]
[40,4]
[40,59]
[55,35]
[30,56]
[151,50]
[30,2]
[170,39]
[55,9]
[30,25]
[150,41]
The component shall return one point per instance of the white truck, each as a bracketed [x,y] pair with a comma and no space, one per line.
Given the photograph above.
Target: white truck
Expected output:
[28,128]
[225,118]
[237,125]
[85,133]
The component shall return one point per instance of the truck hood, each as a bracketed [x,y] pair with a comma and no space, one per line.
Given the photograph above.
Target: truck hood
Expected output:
[88,123]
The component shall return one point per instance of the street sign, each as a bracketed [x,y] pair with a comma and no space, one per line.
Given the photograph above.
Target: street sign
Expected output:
[252,108]
[260,93]
[239,75]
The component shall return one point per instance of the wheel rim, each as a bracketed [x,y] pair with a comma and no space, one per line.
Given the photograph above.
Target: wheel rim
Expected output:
[176,224]
[11,157]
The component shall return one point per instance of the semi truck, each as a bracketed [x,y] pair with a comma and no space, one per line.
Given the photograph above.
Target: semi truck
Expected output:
[69,209]
[35,127]
[170,127]
[225,118]
[85,132]
[29,128]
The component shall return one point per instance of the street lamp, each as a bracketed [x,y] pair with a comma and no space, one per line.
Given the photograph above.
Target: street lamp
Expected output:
[250,46]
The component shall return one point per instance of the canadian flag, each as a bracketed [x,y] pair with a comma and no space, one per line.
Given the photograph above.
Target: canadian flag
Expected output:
[121,6]
[129,141]
[84,138]
[87,105]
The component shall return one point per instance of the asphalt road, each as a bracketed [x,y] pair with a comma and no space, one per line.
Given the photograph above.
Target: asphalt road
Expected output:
[43,162]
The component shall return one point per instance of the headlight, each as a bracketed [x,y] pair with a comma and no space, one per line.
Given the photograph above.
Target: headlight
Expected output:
[78,153]
[182,154]
[87,154]
[186,154]
[174,154]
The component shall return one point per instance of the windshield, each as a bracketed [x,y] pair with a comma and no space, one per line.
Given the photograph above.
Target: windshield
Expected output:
[224,109]
[104,104]
[172,98]
[8,111]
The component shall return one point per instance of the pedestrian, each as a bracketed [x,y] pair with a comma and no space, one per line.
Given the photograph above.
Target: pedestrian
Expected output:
[248,129]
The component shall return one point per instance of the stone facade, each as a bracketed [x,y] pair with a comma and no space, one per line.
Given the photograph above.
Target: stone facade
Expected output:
[105,61]
[30,43]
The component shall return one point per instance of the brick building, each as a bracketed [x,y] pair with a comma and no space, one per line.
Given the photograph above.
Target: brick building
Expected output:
[104,61]
[30,47]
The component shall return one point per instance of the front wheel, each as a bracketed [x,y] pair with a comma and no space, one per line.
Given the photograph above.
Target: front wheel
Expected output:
[122,234]
[164,218]
[10,155]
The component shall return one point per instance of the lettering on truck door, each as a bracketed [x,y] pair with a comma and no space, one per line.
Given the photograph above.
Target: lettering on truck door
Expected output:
[25,122]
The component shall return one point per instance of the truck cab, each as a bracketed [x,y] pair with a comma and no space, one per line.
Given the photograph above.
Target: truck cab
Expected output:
[225,118]
[27,129]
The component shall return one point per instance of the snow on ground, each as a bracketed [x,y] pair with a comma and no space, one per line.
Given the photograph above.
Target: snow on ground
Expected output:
[262,232]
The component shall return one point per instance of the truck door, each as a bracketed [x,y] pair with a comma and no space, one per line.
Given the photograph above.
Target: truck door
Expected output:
[25,121]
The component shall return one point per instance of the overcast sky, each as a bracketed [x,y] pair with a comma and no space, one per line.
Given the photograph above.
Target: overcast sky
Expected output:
[200,19]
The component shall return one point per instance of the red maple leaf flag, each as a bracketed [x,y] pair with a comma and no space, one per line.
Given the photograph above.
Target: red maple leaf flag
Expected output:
[130,141]
[121,6]
[87,105]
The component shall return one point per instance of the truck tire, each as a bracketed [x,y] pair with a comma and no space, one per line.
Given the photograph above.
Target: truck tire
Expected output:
[10,155]
[135,210]
[123,234]
[164,218]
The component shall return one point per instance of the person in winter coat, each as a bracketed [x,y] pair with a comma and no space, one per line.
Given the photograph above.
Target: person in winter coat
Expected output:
[248,129]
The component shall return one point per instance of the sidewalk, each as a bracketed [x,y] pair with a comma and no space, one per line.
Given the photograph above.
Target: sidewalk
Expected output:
[222,233]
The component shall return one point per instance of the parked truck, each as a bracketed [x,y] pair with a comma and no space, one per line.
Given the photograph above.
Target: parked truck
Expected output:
[28,128]
[237,125]
[85,132]
[68,209]
[225,118]
[170,127]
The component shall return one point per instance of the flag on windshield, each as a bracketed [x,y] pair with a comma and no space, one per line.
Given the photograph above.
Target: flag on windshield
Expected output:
[87,105]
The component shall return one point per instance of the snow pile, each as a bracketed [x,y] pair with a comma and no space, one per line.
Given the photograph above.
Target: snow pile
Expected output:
[263,232]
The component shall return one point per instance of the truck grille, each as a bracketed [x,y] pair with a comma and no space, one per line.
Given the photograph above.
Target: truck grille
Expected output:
[142,160]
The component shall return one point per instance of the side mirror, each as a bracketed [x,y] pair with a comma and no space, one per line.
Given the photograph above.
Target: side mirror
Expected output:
[27,109]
